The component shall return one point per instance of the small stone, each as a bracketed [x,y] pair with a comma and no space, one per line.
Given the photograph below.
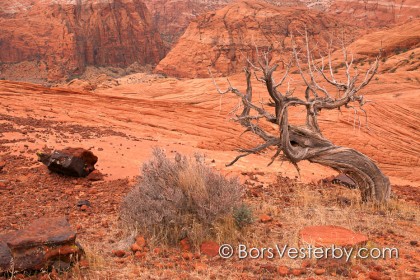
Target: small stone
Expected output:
[209,248]
[297,272]
[200,266]
[140,255]
[187,256]
[84,208]
[95,175]
[413,242]
[265,218]
[140,241]
[83,202]
[118,253]
[283,270]
[319,271]
[374,275]
[157,251]
[135,247]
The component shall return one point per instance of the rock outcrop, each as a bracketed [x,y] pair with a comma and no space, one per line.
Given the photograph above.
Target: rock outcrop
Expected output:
[45,243]
[56,39]
[223,39]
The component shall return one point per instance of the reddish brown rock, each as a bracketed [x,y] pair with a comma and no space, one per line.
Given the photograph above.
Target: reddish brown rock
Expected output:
[95,175]
[140,241]
[135,247]
[76,162]
[200,266]
[331,235]
[297,272]
[209,248]
[118,253]
[265,218]
[320,271]
[283,270]
[2,165]
[39,246]
[140,255]
[374,275]
[187,255]
[57,39]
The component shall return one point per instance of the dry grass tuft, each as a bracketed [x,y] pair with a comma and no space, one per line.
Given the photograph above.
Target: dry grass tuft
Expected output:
[182,198]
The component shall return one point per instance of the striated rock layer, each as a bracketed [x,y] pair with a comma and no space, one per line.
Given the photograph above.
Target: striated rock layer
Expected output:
[224,39]
[56,39]
[374,13]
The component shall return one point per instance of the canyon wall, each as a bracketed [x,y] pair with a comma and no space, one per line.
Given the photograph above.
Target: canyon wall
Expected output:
[53,40]
[224,39]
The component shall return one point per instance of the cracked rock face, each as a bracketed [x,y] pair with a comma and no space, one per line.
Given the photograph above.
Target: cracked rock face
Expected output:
[42,244]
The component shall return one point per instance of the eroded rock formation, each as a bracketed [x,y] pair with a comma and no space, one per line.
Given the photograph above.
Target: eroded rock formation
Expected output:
[56,39]
[224,39]
[173,16]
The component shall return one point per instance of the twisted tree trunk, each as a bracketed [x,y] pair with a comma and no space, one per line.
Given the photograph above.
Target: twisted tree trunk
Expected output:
[373,184]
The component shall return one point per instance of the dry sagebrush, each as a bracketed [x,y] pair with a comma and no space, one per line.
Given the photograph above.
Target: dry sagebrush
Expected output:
[182,198]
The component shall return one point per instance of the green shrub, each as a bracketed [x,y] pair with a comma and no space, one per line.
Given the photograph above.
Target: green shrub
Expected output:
[243,215]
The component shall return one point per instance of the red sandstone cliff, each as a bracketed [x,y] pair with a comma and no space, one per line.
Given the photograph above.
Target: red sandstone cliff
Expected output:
[55,39]
[376,13]
[222,40]
[173,16]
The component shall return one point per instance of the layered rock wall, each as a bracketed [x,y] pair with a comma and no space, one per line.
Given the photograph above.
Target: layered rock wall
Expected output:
[57,39]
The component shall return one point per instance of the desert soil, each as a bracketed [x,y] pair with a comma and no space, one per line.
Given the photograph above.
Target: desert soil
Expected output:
[122,124]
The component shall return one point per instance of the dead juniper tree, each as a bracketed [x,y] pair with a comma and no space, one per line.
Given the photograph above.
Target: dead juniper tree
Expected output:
[296,143]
